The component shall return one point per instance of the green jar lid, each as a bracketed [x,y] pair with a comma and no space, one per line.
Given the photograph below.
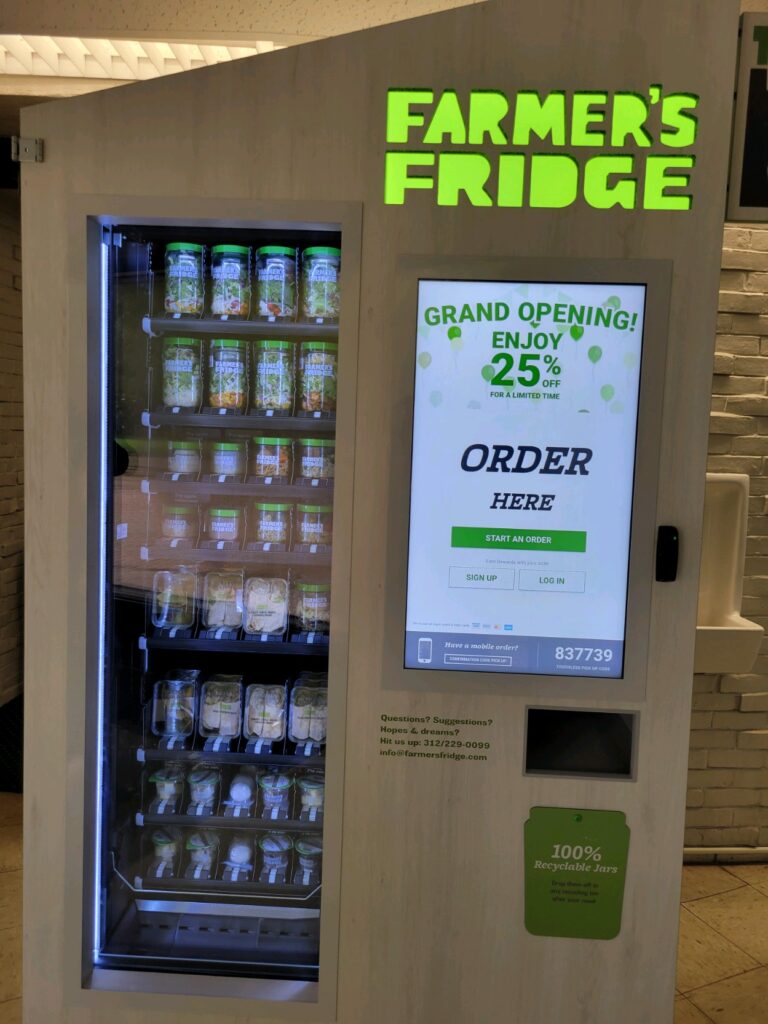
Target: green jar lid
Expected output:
[268,343]
[272,440]
[317,442]
[317,588]
[237,343]
[185,446]
[265,507]
[237,250]
[315,508]
[181,341]
[179,510]
[228,446]
[319,346]
[183,247]
[275,250]
[322,250]
[225,513]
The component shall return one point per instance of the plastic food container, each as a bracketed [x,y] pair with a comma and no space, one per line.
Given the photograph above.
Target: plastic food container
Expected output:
[169,783]
[312,606]
[228,374]
[180,522]
[275,851]
[276,282]
[272,457]
[223,600]
[231,281]
[167,844]
[202,847]
[309,853]
[173,708]
[311,793]
[314,524]
[275,376]
[182,373]
[274,789]
[224,524]
[173,599]
[265,712]
[184,279]
[321,283]
[316,458]
[228,458]
[221,706]
[317,376]
[203,785]
[272,522]
[184,457]
[242,790]
[240,852]
[265,605]
[308,717]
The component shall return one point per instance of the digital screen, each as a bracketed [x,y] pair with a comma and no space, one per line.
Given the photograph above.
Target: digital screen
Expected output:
[525,421]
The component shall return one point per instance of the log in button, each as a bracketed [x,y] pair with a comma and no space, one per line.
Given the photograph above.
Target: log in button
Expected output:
[556,582]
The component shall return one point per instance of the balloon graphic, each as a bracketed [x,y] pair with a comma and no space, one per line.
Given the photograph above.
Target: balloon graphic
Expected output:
[607,392]
[488,372]
[424,359]
[595,354]
[576,332]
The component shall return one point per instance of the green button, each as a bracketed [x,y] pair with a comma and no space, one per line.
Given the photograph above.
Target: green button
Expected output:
[518,540]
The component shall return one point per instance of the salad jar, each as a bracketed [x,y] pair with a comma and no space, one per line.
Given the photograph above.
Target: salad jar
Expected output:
[317,376]
[276,282]
[309,853]
[173,707]
[275,851]
[317,458]
[312,793]
[182,373]
[223,524]
[228,458]
[274,376]
[180,522]
[231,276]
[314,524]
[203,785]
[169,783]
[184,457]
[201,847]
[228,374]
[173,599]
[321,283]
[273,522]
[312,606]
[272,457]
[274,789]
[167,844]
[184,279]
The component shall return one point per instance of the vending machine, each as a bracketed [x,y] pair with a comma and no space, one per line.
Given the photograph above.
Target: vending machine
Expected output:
[366,395]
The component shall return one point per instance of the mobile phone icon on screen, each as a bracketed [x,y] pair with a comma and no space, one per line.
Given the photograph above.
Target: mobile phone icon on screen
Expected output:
[425,650]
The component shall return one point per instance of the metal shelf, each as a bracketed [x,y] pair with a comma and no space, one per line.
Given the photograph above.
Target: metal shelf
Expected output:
[158,325]
[161,643]
[310,426]
[238,824]
[151,754]
[238,556]
[296,492]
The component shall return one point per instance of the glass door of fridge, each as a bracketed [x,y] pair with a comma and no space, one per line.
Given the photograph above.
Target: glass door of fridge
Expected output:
[220,360]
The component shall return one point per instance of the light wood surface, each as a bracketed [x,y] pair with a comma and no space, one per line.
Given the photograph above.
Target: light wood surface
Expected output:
[431,864]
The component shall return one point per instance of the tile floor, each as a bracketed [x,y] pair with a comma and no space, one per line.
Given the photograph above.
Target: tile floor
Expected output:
[722,965]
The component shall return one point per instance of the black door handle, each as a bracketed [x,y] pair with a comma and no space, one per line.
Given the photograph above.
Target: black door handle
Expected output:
[667,554]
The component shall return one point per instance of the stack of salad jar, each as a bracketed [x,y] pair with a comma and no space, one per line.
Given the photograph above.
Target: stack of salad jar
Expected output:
[287,376]
[261,458]
[242,283]
[302,525]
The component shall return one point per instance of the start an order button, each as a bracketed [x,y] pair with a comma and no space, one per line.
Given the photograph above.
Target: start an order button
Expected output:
[562,582]
[482,579]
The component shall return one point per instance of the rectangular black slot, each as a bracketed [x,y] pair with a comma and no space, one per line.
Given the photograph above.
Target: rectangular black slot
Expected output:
[564,742]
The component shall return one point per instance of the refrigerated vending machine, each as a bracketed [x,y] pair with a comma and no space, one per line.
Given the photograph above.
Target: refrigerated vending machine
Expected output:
[366,396]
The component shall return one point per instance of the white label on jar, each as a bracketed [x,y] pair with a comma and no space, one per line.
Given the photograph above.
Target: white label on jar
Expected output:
[224,525]
[315,601]
[312,461]
[267,460]
[320,369]
[226,462]
[272,272]
[271,527]
[184,462]
[227,366]
[228,271]
[180,366]
[183,270]
[178,527]
[323,272]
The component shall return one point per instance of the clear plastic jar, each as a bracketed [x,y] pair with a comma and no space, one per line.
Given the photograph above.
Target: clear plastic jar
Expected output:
[231,281]
[228,373]
[312,792]
[275,851]
[184,457]
[317,376]
[203,785]
[228,458]
[321,283]
[276,282]
[184,279]
[274,787]
[312,606]
[272,457]
[272,522]
[317,458]
[180,522]
[182,373]
[275,376]
[224,523]
[309,854]
[173,598]
[314,524]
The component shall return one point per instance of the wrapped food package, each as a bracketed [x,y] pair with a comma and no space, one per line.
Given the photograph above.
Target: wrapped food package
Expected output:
[221,706]
[308,714]
[167,843]
[203,785]
[265,605]
[312,791]
[265,712]
[240,852]
[223,600]
[202,847]
[242,789]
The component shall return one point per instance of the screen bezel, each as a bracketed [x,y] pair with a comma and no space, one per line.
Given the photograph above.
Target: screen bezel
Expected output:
[655,275]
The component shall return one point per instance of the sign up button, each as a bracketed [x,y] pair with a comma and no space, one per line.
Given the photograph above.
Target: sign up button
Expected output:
[563,582]
[482,579]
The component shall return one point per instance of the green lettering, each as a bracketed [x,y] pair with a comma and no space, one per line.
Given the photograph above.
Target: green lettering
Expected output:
[602,196]
[486,111]
[583,116]
[629,115]
[554,181]
[542,118]
[432,315]
[511,175]
[657,181]
[685,126]
[447,120]
[463,172]
[760,36]
[397,179]
[400,119]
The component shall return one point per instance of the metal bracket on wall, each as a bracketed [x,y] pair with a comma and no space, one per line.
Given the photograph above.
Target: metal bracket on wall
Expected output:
[26,150]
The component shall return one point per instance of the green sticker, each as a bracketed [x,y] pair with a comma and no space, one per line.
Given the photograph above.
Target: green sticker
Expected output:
[575,867]
[595,354]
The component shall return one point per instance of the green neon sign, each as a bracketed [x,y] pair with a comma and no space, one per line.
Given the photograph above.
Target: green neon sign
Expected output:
[605,140]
